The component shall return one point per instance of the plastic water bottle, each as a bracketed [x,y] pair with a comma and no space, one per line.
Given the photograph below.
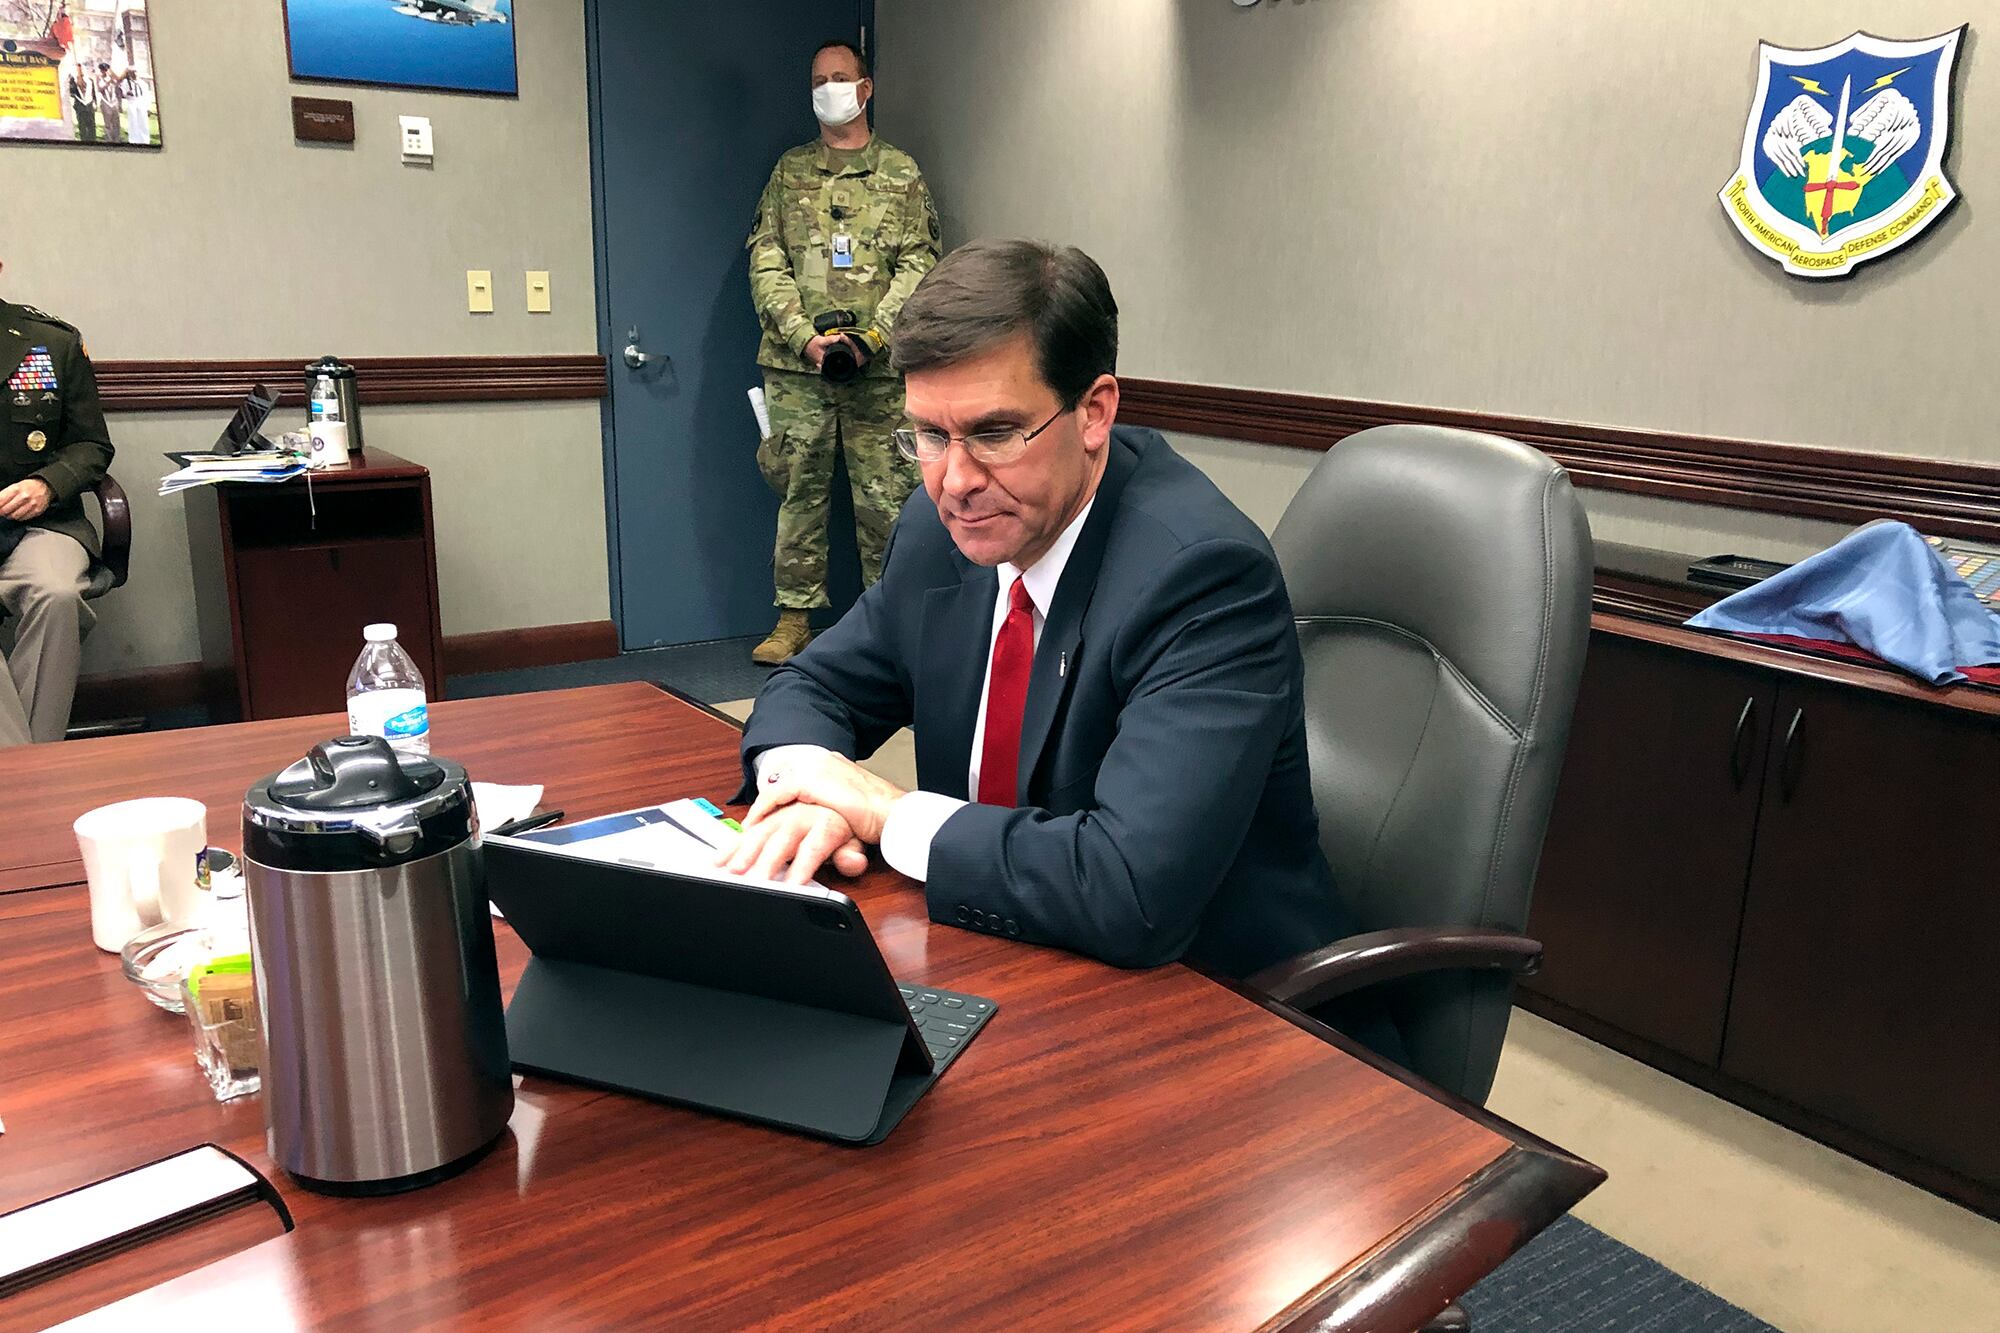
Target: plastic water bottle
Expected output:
[385,694]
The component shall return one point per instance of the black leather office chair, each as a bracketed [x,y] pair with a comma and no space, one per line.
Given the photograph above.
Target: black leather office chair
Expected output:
[114,562]
[1441,580]
[114,521]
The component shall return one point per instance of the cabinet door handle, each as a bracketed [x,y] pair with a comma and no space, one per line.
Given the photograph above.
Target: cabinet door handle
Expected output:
[1794,755]
[1739,762]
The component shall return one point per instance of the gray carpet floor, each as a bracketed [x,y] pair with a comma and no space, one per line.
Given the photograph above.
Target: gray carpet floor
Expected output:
[714,672]
[1575,1279]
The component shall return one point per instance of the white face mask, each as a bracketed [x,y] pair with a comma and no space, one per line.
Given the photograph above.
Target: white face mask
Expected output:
[836,103]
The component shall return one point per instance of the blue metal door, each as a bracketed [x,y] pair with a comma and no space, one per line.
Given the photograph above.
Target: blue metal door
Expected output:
[691,104]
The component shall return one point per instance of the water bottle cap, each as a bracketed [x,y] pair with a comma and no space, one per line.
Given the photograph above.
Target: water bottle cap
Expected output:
[382,633]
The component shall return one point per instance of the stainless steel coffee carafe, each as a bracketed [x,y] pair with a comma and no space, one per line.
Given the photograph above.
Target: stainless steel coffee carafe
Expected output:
[385,1064]
[330,373]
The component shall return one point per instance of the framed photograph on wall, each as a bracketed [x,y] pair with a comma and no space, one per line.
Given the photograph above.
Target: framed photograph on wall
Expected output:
[464,46]
[78,71]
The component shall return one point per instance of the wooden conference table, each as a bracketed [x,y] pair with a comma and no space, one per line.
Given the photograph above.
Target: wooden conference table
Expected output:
[1119,1149]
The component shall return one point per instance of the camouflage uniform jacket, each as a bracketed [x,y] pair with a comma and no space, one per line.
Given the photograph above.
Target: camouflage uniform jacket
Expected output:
[885,209]
[53,425]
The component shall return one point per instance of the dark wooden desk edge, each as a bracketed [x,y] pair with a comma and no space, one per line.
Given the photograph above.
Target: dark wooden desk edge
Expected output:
[1466,1235]
[57,874]
[49,875]
[1440,1255]
[696,704]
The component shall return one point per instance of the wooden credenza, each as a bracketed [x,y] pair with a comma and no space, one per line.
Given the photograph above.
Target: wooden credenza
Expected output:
[1774,875]
[285,577]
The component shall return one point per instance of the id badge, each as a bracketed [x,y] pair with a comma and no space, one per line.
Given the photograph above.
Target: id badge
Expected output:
[843,250]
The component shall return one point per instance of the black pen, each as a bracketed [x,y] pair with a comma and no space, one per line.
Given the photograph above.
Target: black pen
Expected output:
[527,824]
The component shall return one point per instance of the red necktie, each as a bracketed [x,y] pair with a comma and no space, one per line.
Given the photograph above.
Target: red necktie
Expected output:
[1007,699]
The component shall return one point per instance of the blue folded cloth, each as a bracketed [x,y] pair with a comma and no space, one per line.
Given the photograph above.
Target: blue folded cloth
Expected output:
[1881,588]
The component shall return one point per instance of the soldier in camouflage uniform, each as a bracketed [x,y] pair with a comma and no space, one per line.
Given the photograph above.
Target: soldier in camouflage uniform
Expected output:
[846,223]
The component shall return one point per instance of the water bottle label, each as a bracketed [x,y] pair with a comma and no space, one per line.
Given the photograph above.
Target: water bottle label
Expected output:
[415,722]
[398,714]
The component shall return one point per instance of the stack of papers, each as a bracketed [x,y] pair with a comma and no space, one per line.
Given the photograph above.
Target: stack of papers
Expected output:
[213,469]
[681,836]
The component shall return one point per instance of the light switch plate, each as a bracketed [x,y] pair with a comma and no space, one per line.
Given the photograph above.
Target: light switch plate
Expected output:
[416,138]
[538,291]
[479,291]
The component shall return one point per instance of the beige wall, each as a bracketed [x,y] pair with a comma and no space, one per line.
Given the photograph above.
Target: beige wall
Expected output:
[235,241]
[1458,204]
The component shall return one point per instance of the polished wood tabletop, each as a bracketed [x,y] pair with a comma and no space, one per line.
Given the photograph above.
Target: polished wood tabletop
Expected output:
[1120,1149]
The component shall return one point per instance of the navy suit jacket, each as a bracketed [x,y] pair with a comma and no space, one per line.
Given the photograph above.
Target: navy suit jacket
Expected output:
[1164,805]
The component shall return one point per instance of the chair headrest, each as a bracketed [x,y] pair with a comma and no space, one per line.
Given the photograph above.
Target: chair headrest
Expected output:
[1470,542]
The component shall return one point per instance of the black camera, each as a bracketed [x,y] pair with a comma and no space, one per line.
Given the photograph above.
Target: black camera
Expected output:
[843,361]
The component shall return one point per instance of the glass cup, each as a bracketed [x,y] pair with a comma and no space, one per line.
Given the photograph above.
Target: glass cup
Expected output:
[221,1000]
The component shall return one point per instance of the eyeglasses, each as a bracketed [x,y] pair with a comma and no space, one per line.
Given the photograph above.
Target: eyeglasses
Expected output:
[927,444]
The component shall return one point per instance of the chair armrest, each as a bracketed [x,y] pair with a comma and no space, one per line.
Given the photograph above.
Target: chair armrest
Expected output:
[1360,961]
[117,514]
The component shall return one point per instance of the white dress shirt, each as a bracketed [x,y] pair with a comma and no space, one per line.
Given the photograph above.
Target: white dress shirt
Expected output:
[916,817]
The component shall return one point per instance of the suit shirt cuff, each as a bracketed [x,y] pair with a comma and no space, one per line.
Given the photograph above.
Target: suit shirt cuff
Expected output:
[913,824]
[777,755]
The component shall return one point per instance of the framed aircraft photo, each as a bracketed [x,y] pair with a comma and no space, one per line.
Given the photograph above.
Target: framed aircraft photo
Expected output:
[78,71]
[464,46]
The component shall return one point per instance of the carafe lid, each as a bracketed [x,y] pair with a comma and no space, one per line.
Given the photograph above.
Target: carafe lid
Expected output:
[355,802]
[330,365]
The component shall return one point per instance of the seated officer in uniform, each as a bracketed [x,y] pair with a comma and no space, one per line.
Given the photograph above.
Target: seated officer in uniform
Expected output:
[53,448]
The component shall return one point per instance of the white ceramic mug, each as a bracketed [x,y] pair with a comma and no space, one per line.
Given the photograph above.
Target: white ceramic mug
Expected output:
[139,857]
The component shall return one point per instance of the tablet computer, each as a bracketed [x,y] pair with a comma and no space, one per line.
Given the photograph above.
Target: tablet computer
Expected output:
[761,1000]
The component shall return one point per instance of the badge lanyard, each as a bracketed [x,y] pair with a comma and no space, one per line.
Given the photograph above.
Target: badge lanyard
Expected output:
[843,244]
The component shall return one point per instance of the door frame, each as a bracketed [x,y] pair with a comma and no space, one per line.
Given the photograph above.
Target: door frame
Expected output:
[601,283]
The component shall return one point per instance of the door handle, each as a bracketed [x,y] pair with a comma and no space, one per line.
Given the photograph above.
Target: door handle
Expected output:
[1739,762]
[634,357]
[1793,757]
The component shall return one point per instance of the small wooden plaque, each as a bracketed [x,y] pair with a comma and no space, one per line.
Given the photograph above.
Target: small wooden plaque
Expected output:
[323,119]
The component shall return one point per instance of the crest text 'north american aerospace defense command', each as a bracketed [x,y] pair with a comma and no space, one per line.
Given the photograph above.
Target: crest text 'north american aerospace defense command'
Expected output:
[1843,155]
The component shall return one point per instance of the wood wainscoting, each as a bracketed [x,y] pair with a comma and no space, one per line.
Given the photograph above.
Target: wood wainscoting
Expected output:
[1843,486]
[160,386]
[159,689]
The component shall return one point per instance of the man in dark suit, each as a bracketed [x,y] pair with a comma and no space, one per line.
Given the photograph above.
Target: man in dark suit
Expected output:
[1094,646]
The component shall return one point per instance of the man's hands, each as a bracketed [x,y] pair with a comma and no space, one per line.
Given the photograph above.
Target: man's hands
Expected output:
[808,811]
[815,351]
[793,843]
[26,500]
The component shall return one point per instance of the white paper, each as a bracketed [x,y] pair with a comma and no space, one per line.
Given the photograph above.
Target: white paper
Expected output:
[680,836]
[497,804]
